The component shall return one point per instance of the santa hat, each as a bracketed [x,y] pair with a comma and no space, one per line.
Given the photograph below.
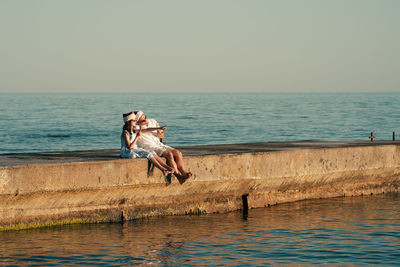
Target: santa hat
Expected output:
[128,116]
[138,114]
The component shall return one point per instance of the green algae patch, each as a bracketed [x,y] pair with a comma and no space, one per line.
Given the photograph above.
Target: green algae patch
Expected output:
[48,224]
[196,210]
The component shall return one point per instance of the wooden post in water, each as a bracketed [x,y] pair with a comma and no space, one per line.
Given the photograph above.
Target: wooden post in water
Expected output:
[372,137]
[394,136]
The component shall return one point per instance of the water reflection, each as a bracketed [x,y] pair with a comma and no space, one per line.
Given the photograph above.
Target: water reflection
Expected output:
[358,230]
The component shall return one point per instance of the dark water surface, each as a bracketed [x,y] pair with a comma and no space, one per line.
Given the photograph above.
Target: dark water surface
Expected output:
[339,231]
[57,122]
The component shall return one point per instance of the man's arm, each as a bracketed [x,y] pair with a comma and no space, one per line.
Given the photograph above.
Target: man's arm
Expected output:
[160,131]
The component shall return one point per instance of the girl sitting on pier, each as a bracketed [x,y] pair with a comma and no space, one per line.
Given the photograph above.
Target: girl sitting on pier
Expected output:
[129,148]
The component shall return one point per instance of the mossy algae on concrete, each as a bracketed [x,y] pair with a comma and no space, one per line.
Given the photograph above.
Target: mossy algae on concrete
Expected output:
[48,224]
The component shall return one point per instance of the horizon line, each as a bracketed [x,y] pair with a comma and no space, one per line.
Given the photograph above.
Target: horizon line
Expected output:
[193,92]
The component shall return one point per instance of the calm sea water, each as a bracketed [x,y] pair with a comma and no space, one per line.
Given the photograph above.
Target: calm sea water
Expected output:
[56,122]
[351,231]
[340,231]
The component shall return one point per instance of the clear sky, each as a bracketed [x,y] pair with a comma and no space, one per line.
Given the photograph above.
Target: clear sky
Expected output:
[199,46]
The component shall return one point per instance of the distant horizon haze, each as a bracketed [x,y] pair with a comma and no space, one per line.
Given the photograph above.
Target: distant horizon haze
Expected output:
[199,46]
[195,92]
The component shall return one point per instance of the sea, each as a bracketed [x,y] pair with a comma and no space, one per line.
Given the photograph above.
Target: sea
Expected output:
[90,121]
[350,231]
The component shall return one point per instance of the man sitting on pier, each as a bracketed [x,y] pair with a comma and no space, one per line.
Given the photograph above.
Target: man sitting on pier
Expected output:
[151,141]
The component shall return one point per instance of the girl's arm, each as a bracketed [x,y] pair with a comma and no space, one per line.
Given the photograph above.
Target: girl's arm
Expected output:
[128,142]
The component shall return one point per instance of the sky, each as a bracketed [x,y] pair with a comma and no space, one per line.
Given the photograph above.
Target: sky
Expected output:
[200,46]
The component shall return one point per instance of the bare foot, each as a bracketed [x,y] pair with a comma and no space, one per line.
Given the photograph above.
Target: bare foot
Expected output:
[187,176]
[167,171]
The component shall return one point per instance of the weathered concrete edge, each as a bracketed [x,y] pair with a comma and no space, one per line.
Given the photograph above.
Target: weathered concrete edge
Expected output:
[266,178]
[68,176]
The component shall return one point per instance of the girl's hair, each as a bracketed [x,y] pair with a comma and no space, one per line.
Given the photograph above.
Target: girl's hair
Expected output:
[126,127]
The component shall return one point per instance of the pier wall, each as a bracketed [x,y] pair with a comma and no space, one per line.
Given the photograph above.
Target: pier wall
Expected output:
[121,189]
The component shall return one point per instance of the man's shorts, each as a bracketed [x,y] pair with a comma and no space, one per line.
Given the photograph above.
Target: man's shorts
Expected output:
[160,149]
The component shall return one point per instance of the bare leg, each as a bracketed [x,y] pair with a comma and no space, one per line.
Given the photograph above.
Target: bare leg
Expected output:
[179,162]
[171,162]
[161,162]
[165,171]
[170,159]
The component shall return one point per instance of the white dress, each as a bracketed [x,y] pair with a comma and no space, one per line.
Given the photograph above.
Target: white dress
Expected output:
[135,152]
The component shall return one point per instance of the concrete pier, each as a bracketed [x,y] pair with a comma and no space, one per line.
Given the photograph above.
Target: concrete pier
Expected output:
[40,189]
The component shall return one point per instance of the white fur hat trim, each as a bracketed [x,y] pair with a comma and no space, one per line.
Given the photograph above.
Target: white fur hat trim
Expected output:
[128,116]
[138,115]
